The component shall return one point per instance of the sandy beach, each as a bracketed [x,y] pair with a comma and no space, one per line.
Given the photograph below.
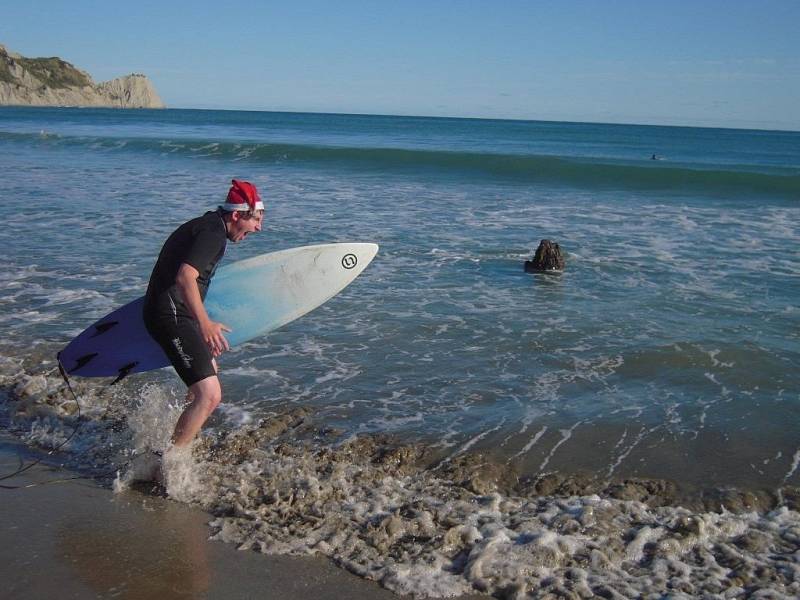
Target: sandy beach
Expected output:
[76,539]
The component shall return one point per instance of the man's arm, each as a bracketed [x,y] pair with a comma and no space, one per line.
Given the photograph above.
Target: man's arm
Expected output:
[186,280]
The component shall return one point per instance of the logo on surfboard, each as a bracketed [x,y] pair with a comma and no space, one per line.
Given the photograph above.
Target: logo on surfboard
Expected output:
[349,261]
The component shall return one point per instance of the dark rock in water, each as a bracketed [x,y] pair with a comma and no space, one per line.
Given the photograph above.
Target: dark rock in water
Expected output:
[548,257]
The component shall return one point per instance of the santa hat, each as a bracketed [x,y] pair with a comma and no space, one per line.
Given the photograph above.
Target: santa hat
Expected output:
[243,195]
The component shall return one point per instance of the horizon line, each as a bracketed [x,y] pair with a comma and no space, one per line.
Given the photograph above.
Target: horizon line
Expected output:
[415,116]
[463,118]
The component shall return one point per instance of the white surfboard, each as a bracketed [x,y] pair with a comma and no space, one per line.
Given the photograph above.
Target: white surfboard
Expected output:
[251,296]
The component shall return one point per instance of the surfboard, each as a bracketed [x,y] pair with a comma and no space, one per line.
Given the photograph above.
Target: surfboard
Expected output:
[252,296]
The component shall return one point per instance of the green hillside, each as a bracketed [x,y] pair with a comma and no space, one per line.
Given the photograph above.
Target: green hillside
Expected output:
[54,72]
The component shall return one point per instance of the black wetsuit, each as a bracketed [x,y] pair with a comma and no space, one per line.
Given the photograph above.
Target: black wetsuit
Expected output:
[200,243]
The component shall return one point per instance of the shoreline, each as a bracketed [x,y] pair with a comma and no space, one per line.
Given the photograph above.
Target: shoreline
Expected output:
[40,399]
[663,476]
[91,542]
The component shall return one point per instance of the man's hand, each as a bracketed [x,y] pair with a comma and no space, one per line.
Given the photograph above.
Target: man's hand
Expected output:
[212,334]
[211,331]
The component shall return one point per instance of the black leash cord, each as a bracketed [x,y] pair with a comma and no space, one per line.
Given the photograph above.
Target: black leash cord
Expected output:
[64,375]
[52,451]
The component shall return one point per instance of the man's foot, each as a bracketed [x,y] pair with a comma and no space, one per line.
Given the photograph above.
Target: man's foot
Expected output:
[148,467]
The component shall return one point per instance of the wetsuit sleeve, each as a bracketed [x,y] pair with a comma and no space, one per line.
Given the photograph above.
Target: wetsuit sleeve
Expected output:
[205,249]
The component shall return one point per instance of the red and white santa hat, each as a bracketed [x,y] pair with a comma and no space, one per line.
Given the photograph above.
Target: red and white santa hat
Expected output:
[243,195]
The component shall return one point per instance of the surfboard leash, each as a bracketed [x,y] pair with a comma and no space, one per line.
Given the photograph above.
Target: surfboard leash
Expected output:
[63,371]
[52,450]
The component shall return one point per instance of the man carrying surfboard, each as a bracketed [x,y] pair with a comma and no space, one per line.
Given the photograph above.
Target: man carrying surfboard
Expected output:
[173,312]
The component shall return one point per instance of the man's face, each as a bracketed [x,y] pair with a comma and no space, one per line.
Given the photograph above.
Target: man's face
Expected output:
[241,226]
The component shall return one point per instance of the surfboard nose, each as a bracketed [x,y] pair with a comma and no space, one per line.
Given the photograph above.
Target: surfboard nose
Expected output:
[359,255]
[370,251]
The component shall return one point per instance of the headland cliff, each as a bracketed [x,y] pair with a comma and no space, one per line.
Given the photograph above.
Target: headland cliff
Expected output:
[55,82]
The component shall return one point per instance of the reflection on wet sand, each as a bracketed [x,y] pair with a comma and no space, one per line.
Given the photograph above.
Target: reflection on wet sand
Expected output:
[161,552]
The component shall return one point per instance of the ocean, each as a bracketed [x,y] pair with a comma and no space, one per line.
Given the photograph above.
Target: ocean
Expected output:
[650,379]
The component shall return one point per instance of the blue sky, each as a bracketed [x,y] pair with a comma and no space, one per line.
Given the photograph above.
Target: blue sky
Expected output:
[730,64]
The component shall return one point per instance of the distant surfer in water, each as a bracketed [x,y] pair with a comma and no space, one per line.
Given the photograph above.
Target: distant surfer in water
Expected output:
[173,311]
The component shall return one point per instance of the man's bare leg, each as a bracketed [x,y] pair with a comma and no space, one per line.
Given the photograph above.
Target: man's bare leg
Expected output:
[204,396]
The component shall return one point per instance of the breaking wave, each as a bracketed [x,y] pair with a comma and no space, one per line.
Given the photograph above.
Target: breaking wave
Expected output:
[784,183]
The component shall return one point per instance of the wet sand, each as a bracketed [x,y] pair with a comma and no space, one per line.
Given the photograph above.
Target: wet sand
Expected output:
[76,539]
